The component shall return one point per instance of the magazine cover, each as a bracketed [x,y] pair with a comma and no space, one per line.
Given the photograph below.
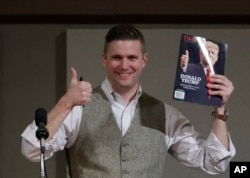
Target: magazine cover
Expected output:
[198,59]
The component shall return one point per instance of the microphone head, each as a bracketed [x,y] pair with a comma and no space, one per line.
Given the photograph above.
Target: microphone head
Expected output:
[40,116]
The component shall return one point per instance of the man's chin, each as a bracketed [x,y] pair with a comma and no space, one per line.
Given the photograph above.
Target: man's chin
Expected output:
[125,85]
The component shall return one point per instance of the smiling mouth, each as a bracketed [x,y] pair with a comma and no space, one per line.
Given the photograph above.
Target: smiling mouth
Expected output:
[124,74]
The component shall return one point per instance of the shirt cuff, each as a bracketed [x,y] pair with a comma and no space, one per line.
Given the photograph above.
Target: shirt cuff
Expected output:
[29,134]
[31,143]
[218,151]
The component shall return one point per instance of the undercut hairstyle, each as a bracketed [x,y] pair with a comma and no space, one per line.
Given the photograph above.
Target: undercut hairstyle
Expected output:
[123,32]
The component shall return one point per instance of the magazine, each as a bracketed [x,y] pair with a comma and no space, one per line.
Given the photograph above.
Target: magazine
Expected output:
[198,59]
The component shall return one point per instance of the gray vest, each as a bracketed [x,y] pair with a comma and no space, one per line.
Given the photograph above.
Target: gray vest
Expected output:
[101,151]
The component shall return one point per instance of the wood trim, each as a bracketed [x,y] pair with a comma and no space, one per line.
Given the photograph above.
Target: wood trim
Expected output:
[132,19]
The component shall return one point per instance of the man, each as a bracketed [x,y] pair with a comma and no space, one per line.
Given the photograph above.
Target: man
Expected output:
[200,93]
[122,131]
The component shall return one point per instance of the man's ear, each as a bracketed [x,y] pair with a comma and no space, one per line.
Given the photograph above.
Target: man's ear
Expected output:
[104,59]
[145,59]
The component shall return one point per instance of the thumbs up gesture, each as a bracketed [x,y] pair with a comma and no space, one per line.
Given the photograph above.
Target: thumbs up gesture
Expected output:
[79,92]
[184,61]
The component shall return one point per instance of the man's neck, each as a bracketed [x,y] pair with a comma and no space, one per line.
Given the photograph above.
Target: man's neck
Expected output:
[127,95]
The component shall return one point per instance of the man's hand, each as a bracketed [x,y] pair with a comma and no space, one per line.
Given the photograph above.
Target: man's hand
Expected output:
[79,92]
[221,86]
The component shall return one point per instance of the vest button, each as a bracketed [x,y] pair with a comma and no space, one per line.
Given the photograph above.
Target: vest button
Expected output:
[124,171]
[124,159]
[124,144]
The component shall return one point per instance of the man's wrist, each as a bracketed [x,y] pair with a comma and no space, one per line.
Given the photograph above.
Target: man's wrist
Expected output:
[220,115]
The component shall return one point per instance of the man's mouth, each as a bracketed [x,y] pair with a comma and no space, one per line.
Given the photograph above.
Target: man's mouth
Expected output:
[124,74]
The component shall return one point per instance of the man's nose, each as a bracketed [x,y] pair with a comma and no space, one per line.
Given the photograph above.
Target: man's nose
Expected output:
[124,63]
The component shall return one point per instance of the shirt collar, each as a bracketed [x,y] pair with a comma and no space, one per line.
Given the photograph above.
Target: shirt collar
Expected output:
[115,97]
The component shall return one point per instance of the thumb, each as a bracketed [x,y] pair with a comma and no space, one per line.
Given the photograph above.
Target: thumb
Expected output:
[73,74]
[186,52]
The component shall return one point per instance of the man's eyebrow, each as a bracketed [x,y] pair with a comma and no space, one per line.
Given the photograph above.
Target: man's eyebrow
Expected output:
[132,56]
[116,56]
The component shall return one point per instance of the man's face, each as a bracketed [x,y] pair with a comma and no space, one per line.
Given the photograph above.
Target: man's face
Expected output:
[213,51]
[124,62]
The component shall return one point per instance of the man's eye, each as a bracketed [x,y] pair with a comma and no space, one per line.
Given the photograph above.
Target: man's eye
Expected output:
[132,58]
[116,58]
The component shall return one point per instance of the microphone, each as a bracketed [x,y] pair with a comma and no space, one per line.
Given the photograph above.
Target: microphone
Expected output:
[41,121]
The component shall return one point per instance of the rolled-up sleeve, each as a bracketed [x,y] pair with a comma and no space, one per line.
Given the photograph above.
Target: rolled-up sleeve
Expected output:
[218,156]
[64,137]
[191,149]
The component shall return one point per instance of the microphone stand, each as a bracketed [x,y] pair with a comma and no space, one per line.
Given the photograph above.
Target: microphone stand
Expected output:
[42,166]
[42,134]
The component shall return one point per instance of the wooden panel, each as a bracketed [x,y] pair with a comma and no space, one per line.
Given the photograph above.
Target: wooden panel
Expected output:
[125,11]
[197,7]
[45,7]
[124,7]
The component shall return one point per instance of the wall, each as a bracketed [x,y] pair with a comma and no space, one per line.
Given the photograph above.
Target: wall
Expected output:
[30,67]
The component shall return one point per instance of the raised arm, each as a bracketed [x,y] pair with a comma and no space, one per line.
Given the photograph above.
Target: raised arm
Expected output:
[222,86]
[78,93]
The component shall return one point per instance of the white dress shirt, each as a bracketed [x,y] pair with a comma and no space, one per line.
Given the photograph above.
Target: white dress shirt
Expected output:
[186,145]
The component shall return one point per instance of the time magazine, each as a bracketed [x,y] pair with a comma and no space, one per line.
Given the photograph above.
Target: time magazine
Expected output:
[199,58]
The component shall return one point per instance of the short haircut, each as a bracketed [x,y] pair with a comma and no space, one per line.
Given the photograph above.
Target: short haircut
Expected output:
[124,32]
